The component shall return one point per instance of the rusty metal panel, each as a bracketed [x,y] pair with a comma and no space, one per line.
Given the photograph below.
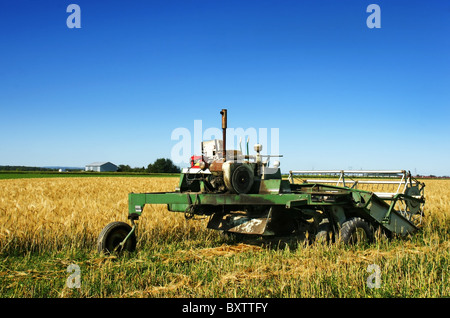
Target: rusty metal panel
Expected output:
[240,223]
[216,166]
[246,225]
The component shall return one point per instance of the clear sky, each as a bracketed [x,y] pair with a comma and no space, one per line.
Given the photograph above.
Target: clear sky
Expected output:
[341,94]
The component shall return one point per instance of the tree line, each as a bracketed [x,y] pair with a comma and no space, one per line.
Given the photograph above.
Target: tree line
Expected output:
[24,168]
[161,165]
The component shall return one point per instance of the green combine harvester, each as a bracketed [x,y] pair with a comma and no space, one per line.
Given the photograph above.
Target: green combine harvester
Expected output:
[244,197]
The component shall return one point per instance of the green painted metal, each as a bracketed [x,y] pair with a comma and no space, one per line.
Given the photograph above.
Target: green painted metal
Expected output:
[274,192]
[137,201]
[121,244]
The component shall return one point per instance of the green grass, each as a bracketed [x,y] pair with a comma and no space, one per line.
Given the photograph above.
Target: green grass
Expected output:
[51,174]
[203,265]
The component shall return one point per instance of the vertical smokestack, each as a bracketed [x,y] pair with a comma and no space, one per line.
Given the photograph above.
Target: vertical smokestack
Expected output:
[224,132]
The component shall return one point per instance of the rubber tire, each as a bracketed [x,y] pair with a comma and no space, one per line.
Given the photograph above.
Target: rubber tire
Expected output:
[114,233]
[351,226]
[242,179]
[324,232]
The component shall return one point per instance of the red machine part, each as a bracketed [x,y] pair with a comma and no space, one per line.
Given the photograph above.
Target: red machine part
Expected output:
[195,161]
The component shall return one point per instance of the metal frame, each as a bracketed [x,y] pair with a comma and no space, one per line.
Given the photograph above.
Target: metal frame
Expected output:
[399,198]
[368,205]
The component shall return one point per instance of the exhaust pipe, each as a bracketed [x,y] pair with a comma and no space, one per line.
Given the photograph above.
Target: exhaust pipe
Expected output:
[223,112]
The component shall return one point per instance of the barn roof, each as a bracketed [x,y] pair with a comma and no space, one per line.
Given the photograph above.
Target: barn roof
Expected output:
[98,164]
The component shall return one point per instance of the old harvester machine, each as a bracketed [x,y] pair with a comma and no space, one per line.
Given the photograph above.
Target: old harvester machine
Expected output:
[243,196]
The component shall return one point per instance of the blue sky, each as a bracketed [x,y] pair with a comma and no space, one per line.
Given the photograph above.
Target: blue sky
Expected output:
[342,95]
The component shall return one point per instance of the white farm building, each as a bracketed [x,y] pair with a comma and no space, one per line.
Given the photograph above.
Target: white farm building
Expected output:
[101,167]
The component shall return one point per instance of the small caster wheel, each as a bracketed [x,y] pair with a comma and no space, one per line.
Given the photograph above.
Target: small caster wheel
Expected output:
[111,238]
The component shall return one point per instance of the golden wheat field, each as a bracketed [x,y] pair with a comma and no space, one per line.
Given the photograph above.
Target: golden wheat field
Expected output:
[54,212]
[47,213]
[67,214]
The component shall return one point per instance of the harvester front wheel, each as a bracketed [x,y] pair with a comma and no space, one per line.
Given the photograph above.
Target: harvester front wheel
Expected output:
[355,231]
[324,233]
[111,237]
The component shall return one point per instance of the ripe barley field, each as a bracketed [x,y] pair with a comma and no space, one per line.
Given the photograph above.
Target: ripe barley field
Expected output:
[49,224]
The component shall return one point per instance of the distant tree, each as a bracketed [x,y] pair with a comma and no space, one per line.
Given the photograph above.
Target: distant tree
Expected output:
[124,168]
[163,165]
[137,169]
